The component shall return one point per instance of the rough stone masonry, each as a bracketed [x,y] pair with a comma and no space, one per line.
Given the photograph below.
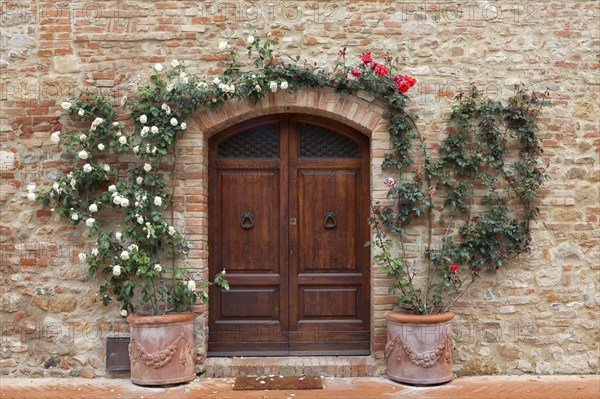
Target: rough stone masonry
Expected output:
[538,315]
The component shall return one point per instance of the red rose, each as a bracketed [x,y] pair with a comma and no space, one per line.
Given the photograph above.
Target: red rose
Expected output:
[356,71]
[403,86]
[381,69]
[454,268]
[411,81]
[366,58]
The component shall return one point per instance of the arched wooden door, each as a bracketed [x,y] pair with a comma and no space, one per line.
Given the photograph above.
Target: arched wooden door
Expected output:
[288,201]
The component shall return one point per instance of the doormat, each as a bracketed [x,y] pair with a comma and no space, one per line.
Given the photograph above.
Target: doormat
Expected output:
[277,383]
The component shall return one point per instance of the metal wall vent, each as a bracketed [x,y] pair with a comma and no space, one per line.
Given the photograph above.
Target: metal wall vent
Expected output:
[117,353]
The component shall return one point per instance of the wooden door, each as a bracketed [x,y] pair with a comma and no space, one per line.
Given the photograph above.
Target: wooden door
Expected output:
[288,199]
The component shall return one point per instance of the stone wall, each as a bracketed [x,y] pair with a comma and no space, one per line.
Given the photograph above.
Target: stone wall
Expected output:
[538,315]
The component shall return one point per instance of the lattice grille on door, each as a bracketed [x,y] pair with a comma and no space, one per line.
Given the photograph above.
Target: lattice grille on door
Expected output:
[257,142]
[319,142]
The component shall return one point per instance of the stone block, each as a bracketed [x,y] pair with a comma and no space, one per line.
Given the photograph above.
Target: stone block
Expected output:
[65,64]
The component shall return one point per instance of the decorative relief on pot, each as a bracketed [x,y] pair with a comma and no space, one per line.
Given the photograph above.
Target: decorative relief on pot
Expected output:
[161,358]
[424,359]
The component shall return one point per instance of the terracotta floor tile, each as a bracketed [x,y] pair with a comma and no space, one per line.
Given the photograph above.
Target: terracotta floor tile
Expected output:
[497,387]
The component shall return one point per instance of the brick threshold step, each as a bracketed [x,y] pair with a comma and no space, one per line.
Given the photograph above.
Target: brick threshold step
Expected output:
[326,366]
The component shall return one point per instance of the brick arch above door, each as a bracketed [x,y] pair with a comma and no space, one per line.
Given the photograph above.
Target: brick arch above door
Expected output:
[362,113]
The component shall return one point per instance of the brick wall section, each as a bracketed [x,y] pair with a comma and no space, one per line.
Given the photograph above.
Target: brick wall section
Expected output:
[540,314]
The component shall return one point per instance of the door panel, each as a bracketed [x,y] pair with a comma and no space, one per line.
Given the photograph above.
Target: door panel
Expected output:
[287,223]
[327,224]
[250,243]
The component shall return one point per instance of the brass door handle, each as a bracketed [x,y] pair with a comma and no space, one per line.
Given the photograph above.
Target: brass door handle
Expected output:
[247,220]
[329,220]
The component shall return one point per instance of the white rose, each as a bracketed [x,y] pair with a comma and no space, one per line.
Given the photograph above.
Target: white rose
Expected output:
[222,46]
[157,201]
[136,149]
[147,167]
[191,285]
[124,255]
[101,147]
[55,137]
[117,270]
[183,125]
[140,219]
[250,39]
[118,235]
[31,187]
[56,186]
[143,119]
[87,168]
[124,202]
[90,222]
[173,122]
[158,67]
[83,154]
[154,129]
[116,124]
[74,216]
[65,105]
[73,183]
[93,208]
[170,87]
[273,86]
[171,230]
[139,180]
[124,313]
[157,268]
[133,247]
[95,251]
[216,80]
[284,85]
[97,121]
[117,199]
[31,196]
[112,188]
[82,257]
[80,112]
[106,167]
[174,63]
[123,140]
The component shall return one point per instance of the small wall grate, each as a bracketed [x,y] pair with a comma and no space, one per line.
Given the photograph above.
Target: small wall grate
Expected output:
[117,354]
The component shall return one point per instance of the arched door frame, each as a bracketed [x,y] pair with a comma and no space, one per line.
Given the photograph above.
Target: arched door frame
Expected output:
[361,112]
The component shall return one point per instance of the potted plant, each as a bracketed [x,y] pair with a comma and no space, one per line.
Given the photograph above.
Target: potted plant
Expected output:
[117,190]
[473,204]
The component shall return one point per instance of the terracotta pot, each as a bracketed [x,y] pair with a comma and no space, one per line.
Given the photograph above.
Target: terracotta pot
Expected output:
[419,348]
[161,349]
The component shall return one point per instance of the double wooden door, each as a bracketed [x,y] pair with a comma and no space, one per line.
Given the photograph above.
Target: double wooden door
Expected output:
[288,200]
